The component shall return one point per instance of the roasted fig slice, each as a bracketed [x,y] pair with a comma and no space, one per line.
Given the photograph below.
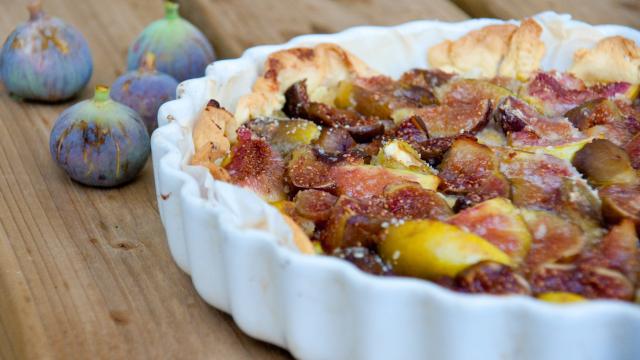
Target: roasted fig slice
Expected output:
[618,250]
[362,181]
[539,168]
[472,168]
[374,96]
[414,132]
[298,105]
[397,154]
[580,204]
[605,118]
[263,127]
[527,194]
[464,90]
[431,249]
[500,223]
[429,79]
[335,141]
[560,92]
[306,171]
[255,165]
[451,119]
[633,149]
[465,107]
[354,222]
[489,277]
[380,96]
[594,112]
[527,129]
[362,230]
[553,238]
[620,202]
[432,151]
[314,204]
[364,259]
[587,281]
[325,115]
[297,100]
[284,134]
[604,163]
[365,132]
[572,198]
[537,180]
[411,201]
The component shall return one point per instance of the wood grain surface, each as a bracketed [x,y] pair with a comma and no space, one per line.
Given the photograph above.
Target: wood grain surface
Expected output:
[86,273]
[622,12]
[236,25]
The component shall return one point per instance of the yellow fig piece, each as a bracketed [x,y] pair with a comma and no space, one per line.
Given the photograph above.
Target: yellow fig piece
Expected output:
[344,95]
[429,182]
[561,297]
[429,249]
[296,132]
[498,221]
[401,114]
[633,92]
[397,154]
[564,151]
[284,206]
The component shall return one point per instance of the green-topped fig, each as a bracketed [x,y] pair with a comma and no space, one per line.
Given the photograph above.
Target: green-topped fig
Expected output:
[182,51]
[100,142]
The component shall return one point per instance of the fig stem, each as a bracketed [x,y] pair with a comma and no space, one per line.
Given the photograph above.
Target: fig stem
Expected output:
[35,10]
[101,94]
[171,10]
[148,62]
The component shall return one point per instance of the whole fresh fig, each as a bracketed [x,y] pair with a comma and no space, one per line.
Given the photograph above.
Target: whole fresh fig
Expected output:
[100,142]
[45,59]
[144,90]
[181,49]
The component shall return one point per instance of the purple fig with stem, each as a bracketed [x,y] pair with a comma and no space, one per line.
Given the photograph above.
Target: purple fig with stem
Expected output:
[100,142]
[45,59]
[144,90]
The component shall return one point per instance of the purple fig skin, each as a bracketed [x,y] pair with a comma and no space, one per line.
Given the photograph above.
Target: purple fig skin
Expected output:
[144,90]
[100,142]
[45,59]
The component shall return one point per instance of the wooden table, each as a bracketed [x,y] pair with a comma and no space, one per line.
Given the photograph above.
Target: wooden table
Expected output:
[86,273]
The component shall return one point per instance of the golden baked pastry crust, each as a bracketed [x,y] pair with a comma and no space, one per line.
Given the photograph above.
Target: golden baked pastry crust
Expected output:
[209,139]
[324,66]
[613,58]
[525,51]
[477,53]
[494,50]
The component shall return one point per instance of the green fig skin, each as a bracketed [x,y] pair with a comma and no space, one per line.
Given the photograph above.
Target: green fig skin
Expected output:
[181,50]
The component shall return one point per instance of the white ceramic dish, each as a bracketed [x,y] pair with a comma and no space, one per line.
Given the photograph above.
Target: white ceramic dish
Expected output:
[241,258]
